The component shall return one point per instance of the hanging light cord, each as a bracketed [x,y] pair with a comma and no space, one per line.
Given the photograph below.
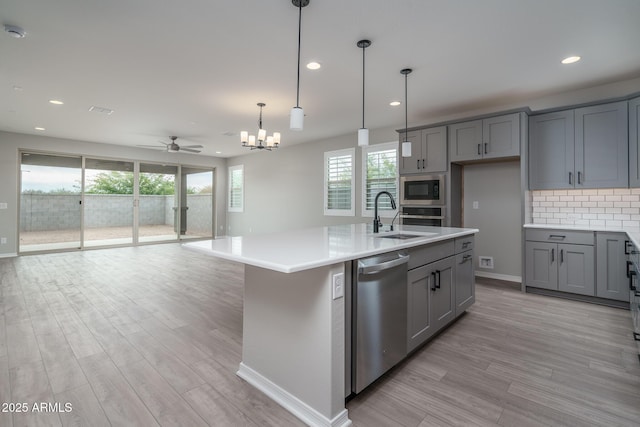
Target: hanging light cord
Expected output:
[363,48]
[260,119]
[406,108]
[299,41]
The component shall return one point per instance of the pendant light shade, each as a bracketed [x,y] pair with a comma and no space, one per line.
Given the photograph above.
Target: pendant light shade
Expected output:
[363,132]
[297,113]
[406,144]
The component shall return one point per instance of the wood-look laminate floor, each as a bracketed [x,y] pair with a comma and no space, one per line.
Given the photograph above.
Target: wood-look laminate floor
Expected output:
[152,336]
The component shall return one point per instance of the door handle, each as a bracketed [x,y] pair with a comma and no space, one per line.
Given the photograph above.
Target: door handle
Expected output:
[579,177]
[423,164]
[465,258]
[570,178]
[479,152]
[486,148]
[627,244]
[418,164]
[433,283]
[553,255]
[438,281]
[629,265]
[632,287]
[561,256]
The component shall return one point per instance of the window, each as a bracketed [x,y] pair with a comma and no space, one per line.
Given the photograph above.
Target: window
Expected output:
[339,185]
[380,173]
[236,188]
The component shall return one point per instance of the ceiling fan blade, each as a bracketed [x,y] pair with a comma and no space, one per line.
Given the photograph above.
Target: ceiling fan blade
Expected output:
[190,150]
[152,146]
[191,146]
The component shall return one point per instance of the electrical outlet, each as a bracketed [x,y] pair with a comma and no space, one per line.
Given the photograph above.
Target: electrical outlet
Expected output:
[338,285]
[3,240]
[485,262]
[475,204]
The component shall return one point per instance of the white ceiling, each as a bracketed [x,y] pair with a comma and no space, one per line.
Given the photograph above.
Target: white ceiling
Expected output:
[197,68]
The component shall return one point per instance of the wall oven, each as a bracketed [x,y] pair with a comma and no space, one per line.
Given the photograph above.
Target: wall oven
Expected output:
[423,215]
[422,190]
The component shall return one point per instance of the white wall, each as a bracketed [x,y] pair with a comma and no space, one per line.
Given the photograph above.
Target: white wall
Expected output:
[12,143]
[284,188]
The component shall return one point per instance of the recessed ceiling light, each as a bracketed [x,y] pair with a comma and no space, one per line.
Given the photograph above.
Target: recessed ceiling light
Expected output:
[17,88]
[570,59]
[38,128]
[55,102]
[394,103]
[313,65]
[218,152]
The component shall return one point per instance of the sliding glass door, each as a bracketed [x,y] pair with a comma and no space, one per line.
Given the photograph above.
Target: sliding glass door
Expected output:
[75,202]
[158,206]
[196,201]
[108,202]
[50,202]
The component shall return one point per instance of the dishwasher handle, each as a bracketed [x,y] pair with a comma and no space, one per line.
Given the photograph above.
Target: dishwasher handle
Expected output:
[377,268]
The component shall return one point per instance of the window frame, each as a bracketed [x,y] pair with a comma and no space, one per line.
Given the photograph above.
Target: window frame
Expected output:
[365,152]
[231,170]
[325,183]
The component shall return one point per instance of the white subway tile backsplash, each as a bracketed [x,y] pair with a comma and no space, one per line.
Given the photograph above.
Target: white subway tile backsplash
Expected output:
[590,207]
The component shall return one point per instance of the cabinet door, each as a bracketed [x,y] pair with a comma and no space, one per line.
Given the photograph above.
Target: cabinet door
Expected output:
[443,304]
[419,326]
[611,267]
[465,291]
[501,136]
[634,143]
[541,265]
[434,149]
[576,269]
[602,146]
[413,163]
[465,141]
[551,151]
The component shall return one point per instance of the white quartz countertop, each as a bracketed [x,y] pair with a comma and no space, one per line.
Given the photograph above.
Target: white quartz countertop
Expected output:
[298,250]
[632,233]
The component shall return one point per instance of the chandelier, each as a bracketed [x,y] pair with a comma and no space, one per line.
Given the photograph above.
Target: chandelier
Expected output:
[263,141]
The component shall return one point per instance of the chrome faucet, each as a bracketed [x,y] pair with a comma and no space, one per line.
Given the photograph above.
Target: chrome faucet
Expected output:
[376,219]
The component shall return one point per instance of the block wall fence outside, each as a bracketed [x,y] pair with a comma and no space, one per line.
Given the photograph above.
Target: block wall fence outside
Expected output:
[609,207]
[47,212]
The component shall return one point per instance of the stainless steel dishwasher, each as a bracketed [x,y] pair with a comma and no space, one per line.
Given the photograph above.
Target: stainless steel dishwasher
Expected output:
[379,328]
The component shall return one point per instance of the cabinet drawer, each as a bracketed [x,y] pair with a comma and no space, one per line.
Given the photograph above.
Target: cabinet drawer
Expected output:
[464,243]
[560,236]
[429,253]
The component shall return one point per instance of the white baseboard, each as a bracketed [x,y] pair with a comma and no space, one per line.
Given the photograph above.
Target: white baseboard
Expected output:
[291,403]
[8,255]
[506,277]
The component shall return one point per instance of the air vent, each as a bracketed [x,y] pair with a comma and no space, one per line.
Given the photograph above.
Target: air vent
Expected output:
[101,110]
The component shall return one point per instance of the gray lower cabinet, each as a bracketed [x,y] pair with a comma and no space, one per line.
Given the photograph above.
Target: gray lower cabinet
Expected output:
[465,282]
[431,300]
[568,266]
[611,266]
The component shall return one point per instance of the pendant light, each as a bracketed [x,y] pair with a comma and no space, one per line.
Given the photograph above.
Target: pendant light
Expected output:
[297,113]
[406,145]
[363,133]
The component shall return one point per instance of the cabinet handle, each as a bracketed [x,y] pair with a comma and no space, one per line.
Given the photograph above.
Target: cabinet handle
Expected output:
[433,283]
[479,152]
[557,236]
[553,255]
[629,265]
[632,287]
[485,148]
[579,177]
[627,244]
[465,258]
[423,164]
[570,178]
[438,282]
[465,244]
[561,256]
[418,164]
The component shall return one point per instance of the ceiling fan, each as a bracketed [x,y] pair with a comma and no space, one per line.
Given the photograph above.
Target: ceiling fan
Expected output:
[173,146]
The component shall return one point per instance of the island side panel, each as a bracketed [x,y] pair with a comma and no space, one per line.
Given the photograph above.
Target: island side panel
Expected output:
[293,335]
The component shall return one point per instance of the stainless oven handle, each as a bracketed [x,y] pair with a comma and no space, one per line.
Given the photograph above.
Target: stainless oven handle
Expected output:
[422,216]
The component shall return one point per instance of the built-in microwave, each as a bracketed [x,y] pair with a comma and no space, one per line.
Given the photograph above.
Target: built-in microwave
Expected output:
[420,190]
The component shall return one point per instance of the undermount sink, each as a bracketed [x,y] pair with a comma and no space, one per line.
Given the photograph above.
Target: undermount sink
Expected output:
[402,236]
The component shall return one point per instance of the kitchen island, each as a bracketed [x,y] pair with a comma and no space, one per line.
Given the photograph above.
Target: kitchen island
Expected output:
[294,314]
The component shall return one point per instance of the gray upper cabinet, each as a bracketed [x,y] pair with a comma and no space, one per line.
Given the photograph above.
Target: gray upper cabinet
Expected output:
[428,151]
[551,150]
[602,146]
[634,142]
[490,138]
[580,148]
[611,267]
